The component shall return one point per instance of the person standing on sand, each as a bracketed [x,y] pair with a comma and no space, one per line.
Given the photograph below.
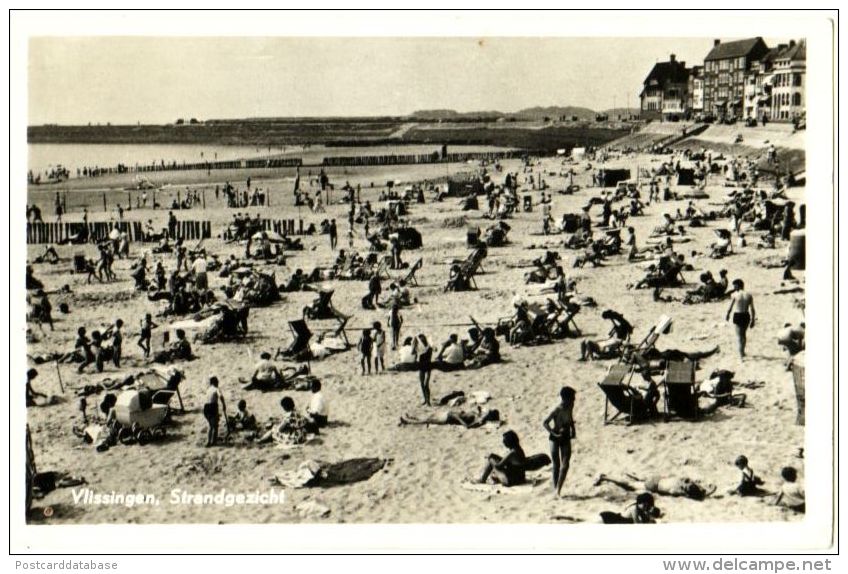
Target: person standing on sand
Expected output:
[365,346]
[210,411]
[395,322]
[560,435]
[424,355]
[744,314]
[334,235]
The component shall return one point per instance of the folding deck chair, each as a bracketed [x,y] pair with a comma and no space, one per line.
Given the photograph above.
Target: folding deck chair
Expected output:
[622,396]
[679,386]
[382,270]
[662,326]
[298,350]
[161,396]
[409,278]
[565,319]
[322,307]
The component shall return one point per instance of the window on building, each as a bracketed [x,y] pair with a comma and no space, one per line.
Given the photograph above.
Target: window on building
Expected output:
[796,80]
[796,99]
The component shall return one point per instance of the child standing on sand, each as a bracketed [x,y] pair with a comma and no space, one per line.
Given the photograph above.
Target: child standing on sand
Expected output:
[365,346]
[395,322]
[117,342]
[379,348]
[147,326]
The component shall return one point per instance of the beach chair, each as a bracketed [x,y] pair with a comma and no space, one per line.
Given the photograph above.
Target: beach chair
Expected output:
[382,269]
[409,278]
[680,397]
[565,319]
[161,395]
[662,326]
[626,400]
[298,350]
[322,307]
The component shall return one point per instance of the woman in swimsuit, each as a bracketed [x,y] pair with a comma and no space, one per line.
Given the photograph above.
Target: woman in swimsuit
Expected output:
[508,470]
[560,427]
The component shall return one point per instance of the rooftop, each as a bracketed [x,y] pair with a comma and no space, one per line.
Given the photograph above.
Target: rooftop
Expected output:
[734,49]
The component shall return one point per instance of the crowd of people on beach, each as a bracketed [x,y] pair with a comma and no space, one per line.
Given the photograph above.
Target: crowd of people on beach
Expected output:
[181,277]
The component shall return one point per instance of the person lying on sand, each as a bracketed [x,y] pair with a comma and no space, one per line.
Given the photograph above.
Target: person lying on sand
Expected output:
[49,255]
[666,486]
[642,511]
[507,470]
[469,416]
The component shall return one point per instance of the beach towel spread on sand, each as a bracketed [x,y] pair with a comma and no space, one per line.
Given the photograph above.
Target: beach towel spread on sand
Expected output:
[313,473]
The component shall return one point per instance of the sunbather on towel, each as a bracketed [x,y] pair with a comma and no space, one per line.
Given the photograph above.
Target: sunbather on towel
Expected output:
[469,416]
[664,485]
[654,354]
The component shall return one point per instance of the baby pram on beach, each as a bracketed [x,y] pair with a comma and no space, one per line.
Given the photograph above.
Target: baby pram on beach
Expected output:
[140,416]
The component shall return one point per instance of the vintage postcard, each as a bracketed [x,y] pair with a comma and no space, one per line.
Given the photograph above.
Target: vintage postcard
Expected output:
[394,273]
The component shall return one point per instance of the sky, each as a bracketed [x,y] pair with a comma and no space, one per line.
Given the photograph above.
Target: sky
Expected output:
[127,80]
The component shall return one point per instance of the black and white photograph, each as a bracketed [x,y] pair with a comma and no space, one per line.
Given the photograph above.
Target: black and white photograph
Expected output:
[362,277]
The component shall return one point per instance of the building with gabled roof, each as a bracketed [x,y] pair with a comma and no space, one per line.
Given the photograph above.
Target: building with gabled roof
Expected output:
[665,91]
[725,69]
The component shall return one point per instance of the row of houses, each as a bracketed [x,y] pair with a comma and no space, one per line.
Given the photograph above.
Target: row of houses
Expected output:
[742,79]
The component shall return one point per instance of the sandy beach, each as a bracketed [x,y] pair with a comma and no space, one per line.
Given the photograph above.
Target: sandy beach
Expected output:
[422,483]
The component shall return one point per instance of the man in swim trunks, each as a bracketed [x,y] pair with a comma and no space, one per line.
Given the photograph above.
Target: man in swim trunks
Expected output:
[744,314]
[665,485]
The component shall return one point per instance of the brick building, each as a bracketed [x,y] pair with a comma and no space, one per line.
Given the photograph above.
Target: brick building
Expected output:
[725,71]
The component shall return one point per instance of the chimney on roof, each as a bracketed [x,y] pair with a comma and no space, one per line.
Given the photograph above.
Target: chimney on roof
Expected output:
[716,42]
[672,58]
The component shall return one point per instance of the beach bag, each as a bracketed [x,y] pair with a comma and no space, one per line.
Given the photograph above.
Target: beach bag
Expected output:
[537,461]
